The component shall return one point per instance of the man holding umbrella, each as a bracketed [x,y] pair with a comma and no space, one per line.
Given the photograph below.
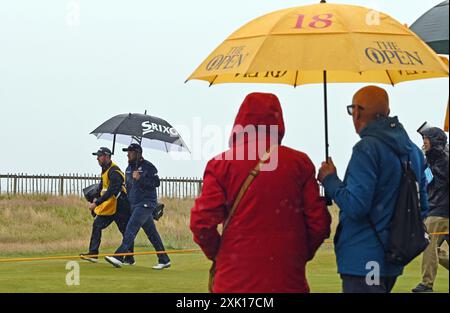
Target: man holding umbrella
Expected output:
[111,206]
[141,182]
[367,195]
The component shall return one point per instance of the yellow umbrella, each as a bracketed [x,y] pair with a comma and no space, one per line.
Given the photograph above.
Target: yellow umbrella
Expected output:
[318,44]
[445,60]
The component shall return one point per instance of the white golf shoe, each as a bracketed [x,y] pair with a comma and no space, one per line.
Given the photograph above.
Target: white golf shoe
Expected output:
[161,266]
[113,261]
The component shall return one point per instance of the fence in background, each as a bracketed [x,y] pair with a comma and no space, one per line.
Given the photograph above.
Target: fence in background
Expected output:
[73,184]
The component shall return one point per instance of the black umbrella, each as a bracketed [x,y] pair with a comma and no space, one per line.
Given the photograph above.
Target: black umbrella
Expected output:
[432,27]
[149,131]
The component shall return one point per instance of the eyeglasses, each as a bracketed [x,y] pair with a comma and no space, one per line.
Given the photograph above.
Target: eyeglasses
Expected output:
[351,108]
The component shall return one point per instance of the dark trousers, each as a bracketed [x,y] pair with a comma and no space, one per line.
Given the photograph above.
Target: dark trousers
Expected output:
[142,217]
[121,219]
[357,284]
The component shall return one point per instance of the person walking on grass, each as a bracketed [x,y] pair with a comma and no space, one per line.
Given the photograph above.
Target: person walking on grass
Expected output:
[111,206]
[141,182]
[367,196]
[435,146]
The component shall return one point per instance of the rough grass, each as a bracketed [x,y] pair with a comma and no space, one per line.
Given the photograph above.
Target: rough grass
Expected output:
[52,224]
[45,225]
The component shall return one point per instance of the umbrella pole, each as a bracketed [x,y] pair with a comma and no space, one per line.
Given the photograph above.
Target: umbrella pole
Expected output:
[114,144]
[328,200]
[325,97]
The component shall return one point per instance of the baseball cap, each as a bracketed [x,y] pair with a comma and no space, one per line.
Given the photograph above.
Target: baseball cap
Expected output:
[133,147]
[102,151]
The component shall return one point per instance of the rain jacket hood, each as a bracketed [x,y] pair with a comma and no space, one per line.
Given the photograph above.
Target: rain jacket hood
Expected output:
[260,111]
[390,131]
[438,141]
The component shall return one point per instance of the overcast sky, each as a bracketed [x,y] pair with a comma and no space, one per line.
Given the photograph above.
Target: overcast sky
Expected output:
[61,77]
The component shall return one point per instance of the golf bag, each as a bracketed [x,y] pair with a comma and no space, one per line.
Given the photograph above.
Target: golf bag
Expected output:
[158,211]
[90,193]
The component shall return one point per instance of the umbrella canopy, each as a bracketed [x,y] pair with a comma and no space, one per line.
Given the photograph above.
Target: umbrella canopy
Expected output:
[432,27]
[446,120]
[318,44]
[151,132]
[446,114]
[294,46]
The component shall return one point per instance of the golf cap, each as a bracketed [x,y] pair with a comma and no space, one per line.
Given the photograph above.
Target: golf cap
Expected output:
[133,147]
[102,151]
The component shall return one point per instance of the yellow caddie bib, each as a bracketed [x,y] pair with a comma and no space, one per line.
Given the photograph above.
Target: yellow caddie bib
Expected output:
[109,206]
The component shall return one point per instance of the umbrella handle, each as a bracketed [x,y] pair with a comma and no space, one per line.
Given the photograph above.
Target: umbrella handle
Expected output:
[328,200]
[114,144]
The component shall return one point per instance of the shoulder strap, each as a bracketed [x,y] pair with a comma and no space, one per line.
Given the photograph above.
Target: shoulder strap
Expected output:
[247,184]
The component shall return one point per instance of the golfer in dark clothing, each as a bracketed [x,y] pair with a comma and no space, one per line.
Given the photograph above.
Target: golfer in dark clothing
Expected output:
[141,182]
[111,206]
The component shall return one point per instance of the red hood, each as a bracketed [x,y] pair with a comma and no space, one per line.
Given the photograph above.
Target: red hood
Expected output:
[259,109]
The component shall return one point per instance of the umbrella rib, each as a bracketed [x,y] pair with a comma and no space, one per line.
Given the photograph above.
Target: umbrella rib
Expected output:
[212,82]
[314,34]
[296,76]
[120,124]
[390,78]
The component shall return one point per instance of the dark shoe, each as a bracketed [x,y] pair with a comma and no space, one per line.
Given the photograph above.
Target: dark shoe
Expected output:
[129,262]
[422,288]
[88,257]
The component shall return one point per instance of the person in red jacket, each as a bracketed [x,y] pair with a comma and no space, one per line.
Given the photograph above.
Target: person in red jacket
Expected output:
[280,221]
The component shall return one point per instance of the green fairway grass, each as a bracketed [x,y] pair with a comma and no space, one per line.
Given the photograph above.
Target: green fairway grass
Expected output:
[189,273]
[39,225]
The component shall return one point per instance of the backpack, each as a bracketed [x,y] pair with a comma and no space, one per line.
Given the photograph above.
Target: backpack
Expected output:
[408,237]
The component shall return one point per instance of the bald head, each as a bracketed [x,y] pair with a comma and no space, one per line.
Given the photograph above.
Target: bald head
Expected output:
[370,102]
[373,99]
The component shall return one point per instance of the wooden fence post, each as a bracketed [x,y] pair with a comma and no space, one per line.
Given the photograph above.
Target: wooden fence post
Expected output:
[199,191]
[15,184]
[61,186]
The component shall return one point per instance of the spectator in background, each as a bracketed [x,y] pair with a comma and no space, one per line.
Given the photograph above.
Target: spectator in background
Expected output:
[436,151]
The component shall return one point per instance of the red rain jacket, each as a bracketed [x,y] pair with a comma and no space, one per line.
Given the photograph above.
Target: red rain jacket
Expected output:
[280,222]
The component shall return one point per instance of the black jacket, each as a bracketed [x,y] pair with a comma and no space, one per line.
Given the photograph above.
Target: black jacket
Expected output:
[142,191]
[437,158]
